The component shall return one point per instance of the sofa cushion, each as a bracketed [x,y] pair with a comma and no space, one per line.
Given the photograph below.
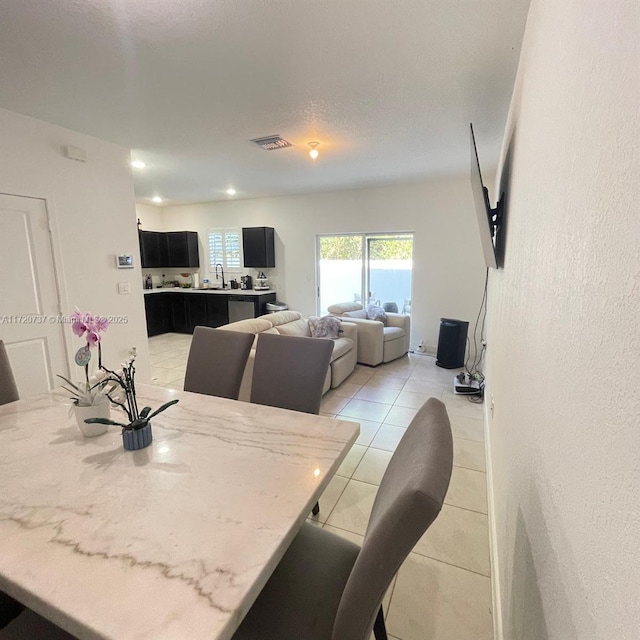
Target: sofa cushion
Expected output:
[340,347]
[343,307]
[298,327]
[393,333]
[325,327]
[252,325]
[358,313]
[281,317]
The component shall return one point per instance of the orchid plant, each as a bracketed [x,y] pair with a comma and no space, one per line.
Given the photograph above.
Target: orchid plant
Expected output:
[125,379]
[116,386]
[95,389]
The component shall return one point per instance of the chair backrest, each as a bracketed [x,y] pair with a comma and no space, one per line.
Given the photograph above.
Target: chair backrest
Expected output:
[216,362]
[8,389]
[289,371]
[409,498]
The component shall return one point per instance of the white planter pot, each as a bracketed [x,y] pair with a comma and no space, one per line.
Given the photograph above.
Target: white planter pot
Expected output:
[101,410]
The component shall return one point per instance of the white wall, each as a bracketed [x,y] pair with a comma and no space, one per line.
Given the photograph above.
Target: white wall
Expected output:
[563,340]
[92,210]
[449,270]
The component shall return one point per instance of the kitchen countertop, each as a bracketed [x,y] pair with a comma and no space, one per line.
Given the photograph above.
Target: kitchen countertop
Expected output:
[231,292]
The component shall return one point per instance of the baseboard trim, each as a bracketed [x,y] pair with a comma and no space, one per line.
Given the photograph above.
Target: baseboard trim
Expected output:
[498,632]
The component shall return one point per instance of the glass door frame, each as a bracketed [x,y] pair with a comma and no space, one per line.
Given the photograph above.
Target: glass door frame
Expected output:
[365,276]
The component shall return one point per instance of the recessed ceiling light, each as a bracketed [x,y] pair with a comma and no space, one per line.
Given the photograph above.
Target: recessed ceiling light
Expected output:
[231,191]
[157,199]
[138,164]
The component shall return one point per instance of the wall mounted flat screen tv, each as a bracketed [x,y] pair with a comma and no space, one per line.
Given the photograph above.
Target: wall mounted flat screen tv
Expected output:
[489,219]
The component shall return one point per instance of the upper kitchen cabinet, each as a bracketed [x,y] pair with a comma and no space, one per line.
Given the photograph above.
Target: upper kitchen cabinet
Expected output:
[172,249]
[258,247]
[154,251]
[183,249]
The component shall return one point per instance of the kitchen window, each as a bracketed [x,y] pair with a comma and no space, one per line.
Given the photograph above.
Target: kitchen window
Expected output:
[225,248]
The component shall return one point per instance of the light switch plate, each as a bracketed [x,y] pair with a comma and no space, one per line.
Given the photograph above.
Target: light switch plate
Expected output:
[124,288]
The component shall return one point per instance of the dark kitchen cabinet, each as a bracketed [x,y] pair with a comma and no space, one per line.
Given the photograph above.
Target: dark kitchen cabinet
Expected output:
[157,312]
[171,311]
[258,247]
[178,312]
[183,249]
[154,250]
[171,249]
[196,311]
[217,310]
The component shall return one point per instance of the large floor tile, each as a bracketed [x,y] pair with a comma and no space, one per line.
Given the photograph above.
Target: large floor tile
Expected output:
[329,498]
[368,430]
[164,376]
[351,461]
[469,454]
[435,601]
[354,507]
[469,428]
[426,387]
[360,376]
[411,399]
[377,394]
[400,416]
[372,466]
[170,363]
[459,537]
[347,390]
[387,381]
[388,437]
[467,489]
[461,406]
[332,403]
[365,409]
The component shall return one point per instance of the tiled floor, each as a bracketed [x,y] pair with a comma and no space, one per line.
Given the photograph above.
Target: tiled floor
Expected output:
[443,590]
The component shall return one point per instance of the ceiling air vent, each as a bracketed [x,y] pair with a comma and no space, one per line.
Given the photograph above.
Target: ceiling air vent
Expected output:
[271,143]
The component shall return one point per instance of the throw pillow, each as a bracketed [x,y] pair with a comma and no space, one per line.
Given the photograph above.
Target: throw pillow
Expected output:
[374,312]
[325,327]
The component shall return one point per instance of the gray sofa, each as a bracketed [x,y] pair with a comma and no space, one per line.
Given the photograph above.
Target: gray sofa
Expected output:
[291,323]
[376,342]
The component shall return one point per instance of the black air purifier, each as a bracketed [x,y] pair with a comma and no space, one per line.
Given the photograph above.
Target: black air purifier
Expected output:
[451,343]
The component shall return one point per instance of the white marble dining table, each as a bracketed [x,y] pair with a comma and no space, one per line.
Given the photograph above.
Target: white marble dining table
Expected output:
[174,541]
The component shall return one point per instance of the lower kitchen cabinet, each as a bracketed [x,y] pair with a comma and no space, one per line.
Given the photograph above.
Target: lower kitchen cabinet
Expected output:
[183,312]
[217,310]
[158,314]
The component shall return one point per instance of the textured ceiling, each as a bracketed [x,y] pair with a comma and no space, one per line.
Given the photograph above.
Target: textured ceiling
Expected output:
[388,87]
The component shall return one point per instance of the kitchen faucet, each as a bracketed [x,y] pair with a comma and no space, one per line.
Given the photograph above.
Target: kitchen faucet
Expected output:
[222,271]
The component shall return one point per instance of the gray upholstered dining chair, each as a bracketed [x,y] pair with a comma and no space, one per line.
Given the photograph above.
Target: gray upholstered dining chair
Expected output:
[328,588]
[9,608]
[8,389]
[289,371]
[216,362]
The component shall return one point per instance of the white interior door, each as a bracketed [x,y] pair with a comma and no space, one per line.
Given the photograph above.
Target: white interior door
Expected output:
[29,304]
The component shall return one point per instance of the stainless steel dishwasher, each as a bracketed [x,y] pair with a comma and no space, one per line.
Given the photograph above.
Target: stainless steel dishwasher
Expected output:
[241,308]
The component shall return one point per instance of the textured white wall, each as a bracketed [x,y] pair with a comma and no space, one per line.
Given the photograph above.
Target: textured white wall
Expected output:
[563,335]
[92,209]
[448,265]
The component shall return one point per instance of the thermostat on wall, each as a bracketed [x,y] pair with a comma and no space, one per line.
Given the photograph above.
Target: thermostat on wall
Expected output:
[124,262]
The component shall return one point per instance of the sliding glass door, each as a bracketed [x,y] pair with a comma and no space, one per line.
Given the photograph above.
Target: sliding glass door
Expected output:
[374,268]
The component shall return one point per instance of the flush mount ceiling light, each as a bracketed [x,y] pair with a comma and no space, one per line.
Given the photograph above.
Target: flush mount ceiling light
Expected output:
[138,164]
[156,199]
[231,191]
[314,149]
